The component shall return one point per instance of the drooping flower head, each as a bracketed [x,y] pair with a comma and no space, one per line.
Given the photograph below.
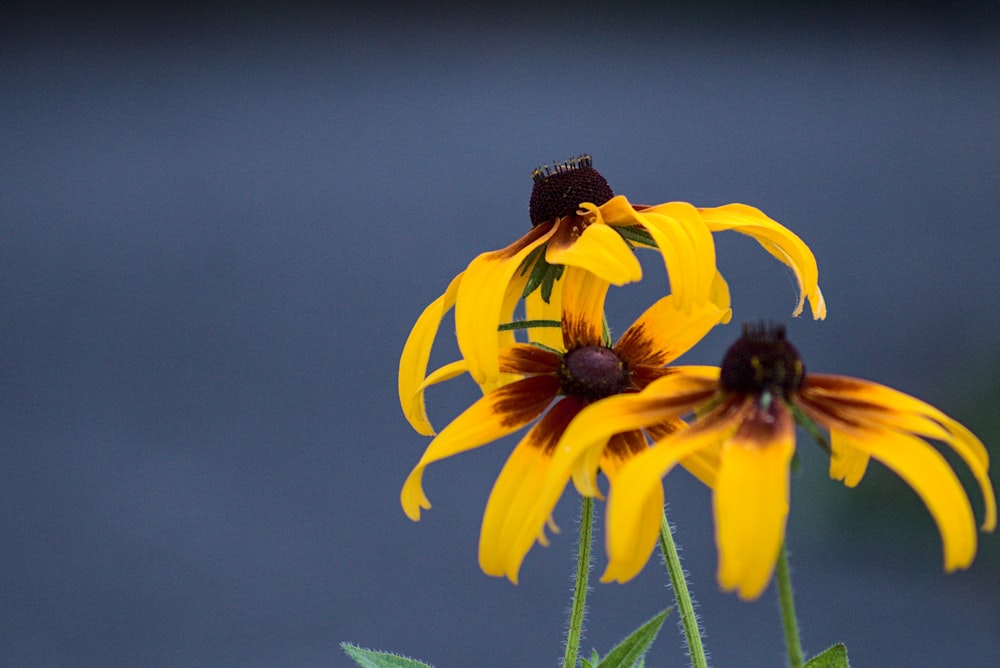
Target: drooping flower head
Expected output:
[551,389]
[578,224]
[745,423]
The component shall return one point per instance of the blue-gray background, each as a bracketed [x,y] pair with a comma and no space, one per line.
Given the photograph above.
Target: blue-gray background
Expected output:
[216,228]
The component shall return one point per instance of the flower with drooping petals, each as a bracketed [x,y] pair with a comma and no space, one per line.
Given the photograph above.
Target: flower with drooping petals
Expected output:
[584,373]
[746,412]
[578,223]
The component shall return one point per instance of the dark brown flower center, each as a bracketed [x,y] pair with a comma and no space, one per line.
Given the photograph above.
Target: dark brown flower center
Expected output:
[559,190]
[762,360]
[593,372]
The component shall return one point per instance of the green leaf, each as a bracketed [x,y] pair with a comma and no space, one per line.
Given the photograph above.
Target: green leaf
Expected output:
[539,268]
[543,275]
[554,274]
[592,661]
[635,234]
[529,262]
[833,657]
[633,648]
[367,658]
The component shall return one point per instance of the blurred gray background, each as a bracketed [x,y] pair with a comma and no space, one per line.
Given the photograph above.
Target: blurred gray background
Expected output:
[218,225]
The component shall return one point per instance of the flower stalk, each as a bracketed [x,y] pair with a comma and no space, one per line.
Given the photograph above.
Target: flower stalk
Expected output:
[786,601]
[692,632]
[579,605]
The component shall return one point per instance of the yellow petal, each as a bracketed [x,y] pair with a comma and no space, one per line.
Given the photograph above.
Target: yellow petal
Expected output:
[700,241]
[514,518]
[582,445]
[665,331]
[688,257]
[506,338]
[495,415]
[617,211]
[583,308]
[847,462]
[875,402]
[416,354]
[528,359]
[650,516]
[856,401]
[751,501]
[720,296]
[927,472]
[703,464]
[628,536]
[517,485]
[598,249]
[441,374]
[779,241]
[685,243]
[536,308]
[482,297]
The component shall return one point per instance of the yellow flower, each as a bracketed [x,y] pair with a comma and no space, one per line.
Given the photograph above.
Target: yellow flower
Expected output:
[746,424]
[564,383]
[577,221]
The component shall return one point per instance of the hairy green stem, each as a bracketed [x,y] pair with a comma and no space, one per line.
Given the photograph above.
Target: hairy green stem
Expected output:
[788,619]
[692,632]
[527,324]
[579,606]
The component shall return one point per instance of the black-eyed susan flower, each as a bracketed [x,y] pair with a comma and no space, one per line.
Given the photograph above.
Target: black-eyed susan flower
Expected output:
[579,224]
[584,373]
[746,413]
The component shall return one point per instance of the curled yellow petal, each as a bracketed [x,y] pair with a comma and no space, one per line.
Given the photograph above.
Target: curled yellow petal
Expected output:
[417,353]
[928,473]
[847,401]
[688,255]
[649,519]
[699,240]
[779,241]
[703,463]
[483,296]
[719,296]
[629,539]
[598,249]
[582,446]
[617,212]
[847,461]
[446,372]
[519,509]
[524,474]
[493,416]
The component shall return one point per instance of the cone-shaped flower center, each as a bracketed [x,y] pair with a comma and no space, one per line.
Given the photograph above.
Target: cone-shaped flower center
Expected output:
[593,372]
[760,361]
[559,190]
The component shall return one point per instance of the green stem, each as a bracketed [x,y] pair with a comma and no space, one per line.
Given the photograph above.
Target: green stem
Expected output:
[788,618]
[807,423]
[691,631]
[582,582]
[527,324]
